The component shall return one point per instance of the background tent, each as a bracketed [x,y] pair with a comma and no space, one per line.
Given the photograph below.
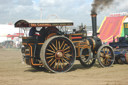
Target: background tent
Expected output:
[112,26]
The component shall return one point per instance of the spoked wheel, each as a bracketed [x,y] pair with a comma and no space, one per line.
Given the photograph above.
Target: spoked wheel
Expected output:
[105,56]
[86,58]
[58,54]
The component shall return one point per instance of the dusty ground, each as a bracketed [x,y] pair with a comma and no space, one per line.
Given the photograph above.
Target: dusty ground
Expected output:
[13,72]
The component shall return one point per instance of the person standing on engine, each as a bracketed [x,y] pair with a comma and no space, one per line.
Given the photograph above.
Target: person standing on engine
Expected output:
[32,31]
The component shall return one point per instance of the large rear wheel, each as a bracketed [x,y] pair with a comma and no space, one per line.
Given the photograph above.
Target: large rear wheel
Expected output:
[58,54]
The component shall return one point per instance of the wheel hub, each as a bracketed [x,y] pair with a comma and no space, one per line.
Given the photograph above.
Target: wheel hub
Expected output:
[59,54]
[107,56]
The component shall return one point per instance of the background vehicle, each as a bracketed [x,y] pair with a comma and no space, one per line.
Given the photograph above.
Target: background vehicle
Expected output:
[120,50]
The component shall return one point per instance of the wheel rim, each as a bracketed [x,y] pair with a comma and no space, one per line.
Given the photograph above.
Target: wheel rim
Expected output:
[86,57]
[59,55]
[106,56]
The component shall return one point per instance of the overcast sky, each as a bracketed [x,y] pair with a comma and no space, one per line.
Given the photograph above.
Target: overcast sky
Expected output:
[75,10]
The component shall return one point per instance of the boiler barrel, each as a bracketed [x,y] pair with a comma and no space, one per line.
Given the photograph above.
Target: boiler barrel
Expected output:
[95,43]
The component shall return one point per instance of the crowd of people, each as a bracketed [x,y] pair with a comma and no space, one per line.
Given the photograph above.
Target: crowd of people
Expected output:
[11,44]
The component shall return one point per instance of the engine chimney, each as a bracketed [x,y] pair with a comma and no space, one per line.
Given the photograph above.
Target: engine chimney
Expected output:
[94,24]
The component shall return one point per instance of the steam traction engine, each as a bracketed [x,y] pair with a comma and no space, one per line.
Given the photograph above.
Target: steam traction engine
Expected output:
[59,50]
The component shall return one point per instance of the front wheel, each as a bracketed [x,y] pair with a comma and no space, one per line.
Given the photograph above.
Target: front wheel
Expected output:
[105,56]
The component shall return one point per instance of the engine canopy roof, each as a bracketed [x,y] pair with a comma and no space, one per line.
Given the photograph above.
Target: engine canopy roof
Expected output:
[43,23]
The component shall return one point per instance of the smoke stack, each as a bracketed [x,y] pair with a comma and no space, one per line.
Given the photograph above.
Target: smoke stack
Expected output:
[98,6]
[94,24]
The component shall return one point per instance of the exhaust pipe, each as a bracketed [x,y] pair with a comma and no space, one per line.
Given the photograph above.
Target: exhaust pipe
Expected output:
[94,24]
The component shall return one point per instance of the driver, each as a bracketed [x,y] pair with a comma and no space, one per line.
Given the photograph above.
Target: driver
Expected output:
[32,31]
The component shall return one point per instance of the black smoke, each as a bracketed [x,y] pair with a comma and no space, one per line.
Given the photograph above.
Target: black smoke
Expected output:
[99,5]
